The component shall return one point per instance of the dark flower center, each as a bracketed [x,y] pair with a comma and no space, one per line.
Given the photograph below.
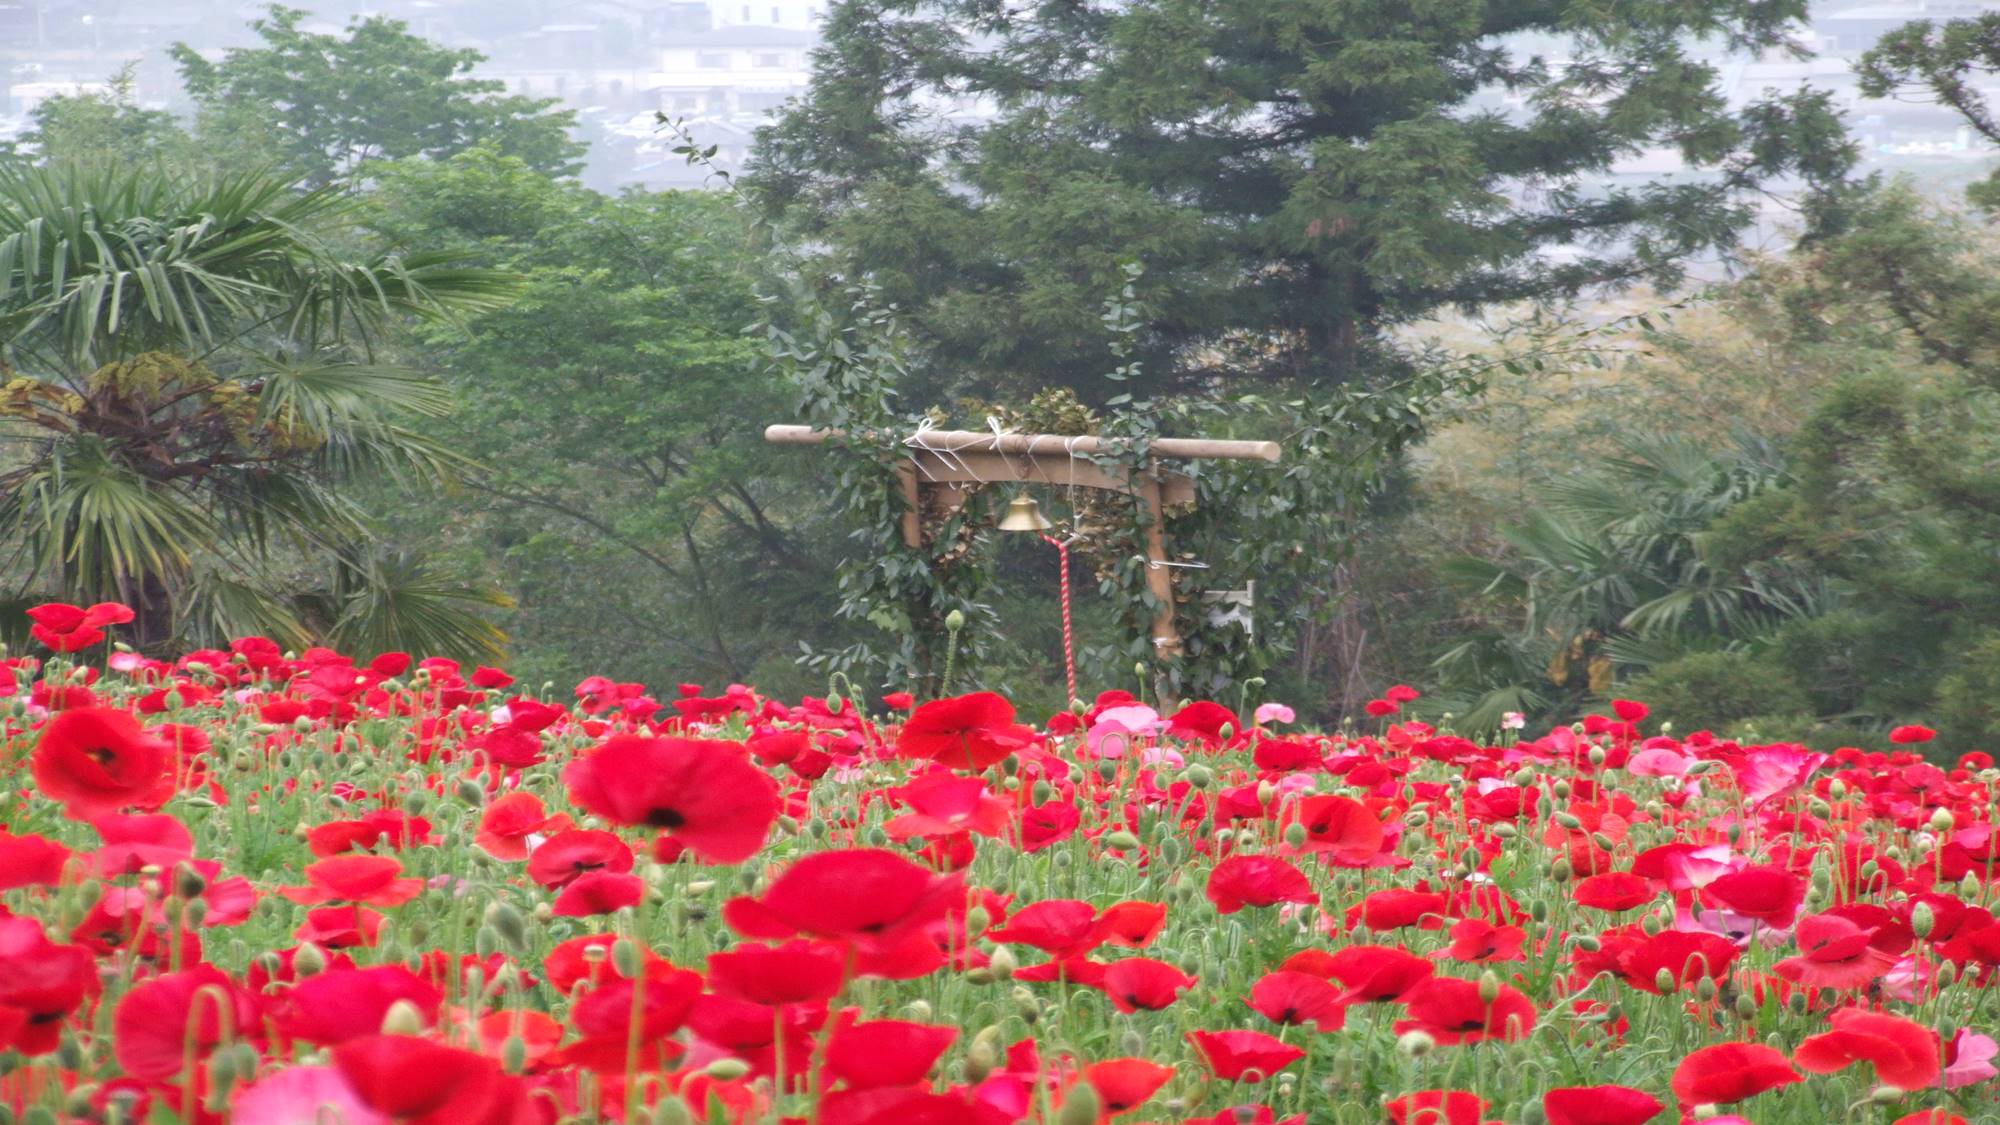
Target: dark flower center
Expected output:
[102,755]
[665,818]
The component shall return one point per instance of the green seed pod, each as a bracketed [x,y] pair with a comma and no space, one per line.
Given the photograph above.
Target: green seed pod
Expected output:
[671,1110]
[1081,1107]
[727,1070]
[627,958]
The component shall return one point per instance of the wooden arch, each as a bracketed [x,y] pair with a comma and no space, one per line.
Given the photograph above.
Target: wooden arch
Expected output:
[943,465]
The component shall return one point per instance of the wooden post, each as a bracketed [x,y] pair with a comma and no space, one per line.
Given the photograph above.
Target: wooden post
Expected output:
[913,510]
[1159,577]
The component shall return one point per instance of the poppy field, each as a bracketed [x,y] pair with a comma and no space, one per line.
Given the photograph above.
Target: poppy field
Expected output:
[277,888]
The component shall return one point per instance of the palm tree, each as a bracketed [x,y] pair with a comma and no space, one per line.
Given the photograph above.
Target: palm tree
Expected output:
[1611,573]
[194,390]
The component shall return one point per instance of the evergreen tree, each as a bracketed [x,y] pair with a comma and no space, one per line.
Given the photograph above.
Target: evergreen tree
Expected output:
[1298,178]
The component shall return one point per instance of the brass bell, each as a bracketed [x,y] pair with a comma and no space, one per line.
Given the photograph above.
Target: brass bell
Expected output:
[1023,514]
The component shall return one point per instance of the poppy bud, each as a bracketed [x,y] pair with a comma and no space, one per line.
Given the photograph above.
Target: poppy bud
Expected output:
[1603,841]
[1588,943]
[1837,789]
[69,1053]
[174,700]
[1042,791]
[1923,920]
[544,911]
[816,829]
[982,1060]
[670,1110]
[727,1070]
[1597,755]
[789,824]
[1295,835]
[1171,852]
[416,801]
[1415,1044]
[878,837]
[1107,769]
[1533,1114]
[308,961]
[194,912]
[1569,821]
[1652,924]
[1746,1007]
[1226,731]
[1886,1095]
[1797,1003]
[514,1054]
[955,620]
[1819,808]
[1538,910]
[471,793]
[487,941]
[1265,791]
[1561,789]
[1199,776]
[977,919]
[1705,989]
[1417,818]
[1664,980]
[1003,962]
[1560,871]
[1489,987]
[1025,1005]
[1505,831]
[834,703]
[1942,821]
[402,1018]
[626,958]
[1121,840]
[1705,1111]
[1081,1107]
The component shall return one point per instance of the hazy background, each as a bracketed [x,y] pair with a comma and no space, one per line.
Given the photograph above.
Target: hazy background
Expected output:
[724,64]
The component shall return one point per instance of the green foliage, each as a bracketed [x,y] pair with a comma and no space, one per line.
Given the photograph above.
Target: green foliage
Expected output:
[1950,61]
[1296,181]
[194,392]
[108,125]
[624,492]
[322,106]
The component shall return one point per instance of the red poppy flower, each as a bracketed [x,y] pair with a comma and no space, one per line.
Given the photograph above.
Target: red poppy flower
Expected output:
[133,843]
[567,856]
[1437,1107]
[797,972]
[1907,735]
[373,879]
[599,892]
[1398,907]
[95,761]
[1203,720]
[1342,827]
[1686,956]
[1380,708]
[869,1053]
[1834,952]
[41,983]
[705,794]
[1600,1105]
[1243,1056]
[1905,1054]
[1132,925]
[1480,941]
[30,861]
[418,1082]
[1452,1011]
[1767,893]
[507,823]
[1257,880]
[1289,997]
[1060,927]
[68,628]
[1144,984]
[1124,1085]
[1376,974]
[340,1004]
[965,732]
[872,898]
[1931,1117]
[1730,1072]
[165,1021]
[341,927]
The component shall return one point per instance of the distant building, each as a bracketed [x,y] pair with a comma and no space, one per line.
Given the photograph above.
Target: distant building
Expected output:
[747,69]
